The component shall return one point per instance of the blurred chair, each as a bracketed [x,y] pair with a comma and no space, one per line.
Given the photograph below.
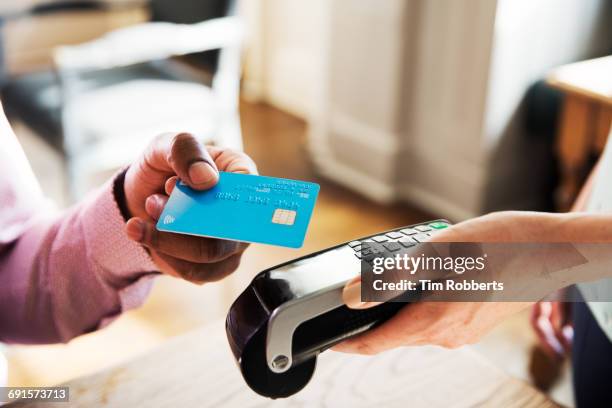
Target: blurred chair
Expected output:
[110,96]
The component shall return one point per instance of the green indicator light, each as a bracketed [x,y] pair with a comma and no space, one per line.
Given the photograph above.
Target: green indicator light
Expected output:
[438,225]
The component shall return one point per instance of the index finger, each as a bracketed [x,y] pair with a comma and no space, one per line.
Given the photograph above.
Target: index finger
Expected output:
[232,161]
[390,334]
[351,295]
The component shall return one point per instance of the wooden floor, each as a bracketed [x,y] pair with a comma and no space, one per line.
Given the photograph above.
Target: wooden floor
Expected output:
[277,143]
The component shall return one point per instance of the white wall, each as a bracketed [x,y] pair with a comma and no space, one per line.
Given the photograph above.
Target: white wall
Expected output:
[285,64]
[406,95]
[444,170]
[413,100]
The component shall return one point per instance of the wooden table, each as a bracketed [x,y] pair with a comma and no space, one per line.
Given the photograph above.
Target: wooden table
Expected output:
[585,120]
[198,370]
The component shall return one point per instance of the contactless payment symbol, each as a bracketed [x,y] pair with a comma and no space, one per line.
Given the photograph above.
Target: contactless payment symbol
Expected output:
[284,217]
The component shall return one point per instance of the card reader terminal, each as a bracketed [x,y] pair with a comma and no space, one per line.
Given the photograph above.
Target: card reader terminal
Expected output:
[292,312]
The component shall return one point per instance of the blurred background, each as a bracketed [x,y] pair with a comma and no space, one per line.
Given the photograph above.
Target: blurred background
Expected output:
[403,111]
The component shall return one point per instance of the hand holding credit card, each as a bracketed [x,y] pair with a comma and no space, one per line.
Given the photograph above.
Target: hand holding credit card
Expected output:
[243,207]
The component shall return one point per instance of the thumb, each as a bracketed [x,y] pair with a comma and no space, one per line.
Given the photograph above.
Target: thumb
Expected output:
[178,154]
[192,162]
[351,295]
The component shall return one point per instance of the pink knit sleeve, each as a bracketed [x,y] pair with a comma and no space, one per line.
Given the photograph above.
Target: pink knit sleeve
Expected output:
[62,274]
[70,274]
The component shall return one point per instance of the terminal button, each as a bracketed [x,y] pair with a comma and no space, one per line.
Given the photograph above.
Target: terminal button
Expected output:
[438,225]
[395,235]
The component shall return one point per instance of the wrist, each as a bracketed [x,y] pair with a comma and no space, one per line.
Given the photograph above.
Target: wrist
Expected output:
[580,227]
[120,196]
[562,227]
[531,226]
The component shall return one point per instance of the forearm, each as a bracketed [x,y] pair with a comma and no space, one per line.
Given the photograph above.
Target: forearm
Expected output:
[574,227]
[531,226]
[69,274]
[535,253]
[560,249]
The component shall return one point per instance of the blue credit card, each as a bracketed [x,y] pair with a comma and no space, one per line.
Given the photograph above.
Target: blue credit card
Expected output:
[243,207]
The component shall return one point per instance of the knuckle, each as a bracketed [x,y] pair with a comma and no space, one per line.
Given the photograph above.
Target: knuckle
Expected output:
[182,144]
[182,138]
[451,343]
[201,251]
[206,251]
[248,161]
[366,348]
[448,344]
[443,341]
[215,250]
[211,251]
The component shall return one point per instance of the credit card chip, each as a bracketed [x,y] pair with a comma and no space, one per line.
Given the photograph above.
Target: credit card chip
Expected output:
[284,217]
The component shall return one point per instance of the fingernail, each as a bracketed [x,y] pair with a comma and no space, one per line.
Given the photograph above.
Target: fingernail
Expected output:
[154,206]
[159,203]
[351,295]
[201,172]
[135,229]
